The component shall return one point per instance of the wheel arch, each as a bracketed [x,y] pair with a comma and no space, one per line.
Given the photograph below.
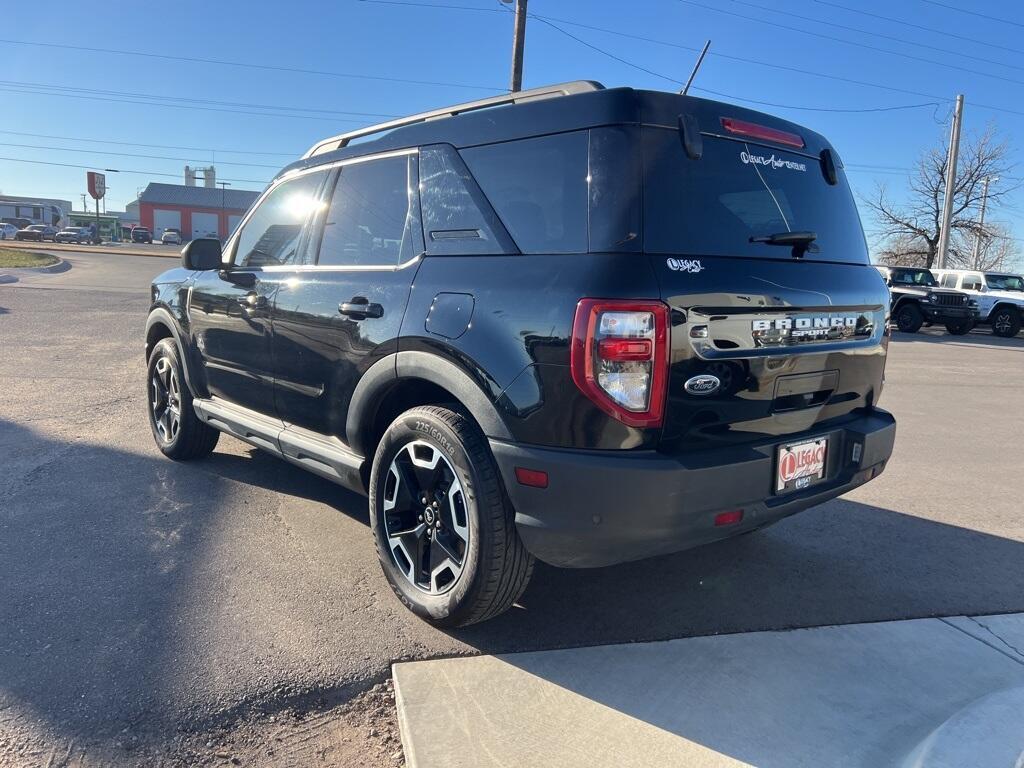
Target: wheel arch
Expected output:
[903,301]
[408,379]
[161,325]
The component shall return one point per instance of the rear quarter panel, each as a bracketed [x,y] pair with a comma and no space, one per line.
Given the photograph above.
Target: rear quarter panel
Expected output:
[516,347]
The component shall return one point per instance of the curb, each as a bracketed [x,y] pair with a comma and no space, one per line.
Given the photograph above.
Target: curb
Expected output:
[98,249]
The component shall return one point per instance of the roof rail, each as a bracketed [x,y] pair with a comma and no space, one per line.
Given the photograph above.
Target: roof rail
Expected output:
[544,92]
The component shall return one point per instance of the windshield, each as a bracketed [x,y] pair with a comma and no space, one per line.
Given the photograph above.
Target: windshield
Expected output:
[37,227]
[913,277]
[736,191]
[1005,282]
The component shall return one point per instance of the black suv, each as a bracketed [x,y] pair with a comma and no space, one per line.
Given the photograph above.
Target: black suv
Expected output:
[141,235]
[916,299]
[579,324]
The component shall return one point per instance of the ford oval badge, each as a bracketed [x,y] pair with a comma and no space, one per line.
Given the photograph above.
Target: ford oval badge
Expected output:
[705,384]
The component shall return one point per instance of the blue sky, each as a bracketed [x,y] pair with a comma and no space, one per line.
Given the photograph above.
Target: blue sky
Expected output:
[464,54]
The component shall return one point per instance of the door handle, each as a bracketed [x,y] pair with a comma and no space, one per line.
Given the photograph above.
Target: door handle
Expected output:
[252,300]
[360,308]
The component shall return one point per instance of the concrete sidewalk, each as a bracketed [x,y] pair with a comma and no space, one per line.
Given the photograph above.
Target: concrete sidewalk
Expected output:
[909,694]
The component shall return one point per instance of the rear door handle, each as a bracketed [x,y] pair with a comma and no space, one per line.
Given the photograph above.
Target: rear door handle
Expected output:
[360,308]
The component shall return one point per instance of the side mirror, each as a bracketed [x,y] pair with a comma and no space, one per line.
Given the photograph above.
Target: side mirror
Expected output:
[201,253]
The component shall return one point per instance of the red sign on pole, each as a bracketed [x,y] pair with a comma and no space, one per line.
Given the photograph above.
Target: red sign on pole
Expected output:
[97,184]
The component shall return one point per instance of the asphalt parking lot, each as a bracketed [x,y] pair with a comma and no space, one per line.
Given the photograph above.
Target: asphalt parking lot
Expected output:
[141,596]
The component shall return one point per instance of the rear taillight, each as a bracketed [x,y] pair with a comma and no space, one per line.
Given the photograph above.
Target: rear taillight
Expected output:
[620,358]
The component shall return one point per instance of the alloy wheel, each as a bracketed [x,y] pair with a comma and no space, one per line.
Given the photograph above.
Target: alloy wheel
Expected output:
[165,400]
[426,521]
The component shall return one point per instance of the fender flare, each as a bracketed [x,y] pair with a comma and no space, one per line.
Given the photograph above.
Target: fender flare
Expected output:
[903,300]
[1008,304]
[163,316]
[379,377]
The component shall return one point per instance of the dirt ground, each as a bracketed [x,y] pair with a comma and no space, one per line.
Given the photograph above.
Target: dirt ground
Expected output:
[362,733]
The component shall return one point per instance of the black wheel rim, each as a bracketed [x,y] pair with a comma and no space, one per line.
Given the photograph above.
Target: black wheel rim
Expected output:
[165,400]
[426,520]
[1002,323]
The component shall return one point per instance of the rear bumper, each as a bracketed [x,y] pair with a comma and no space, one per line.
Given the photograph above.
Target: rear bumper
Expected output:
[605,507]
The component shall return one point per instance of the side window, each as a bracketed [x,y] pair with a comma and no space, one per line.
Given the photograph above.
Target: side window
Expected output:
[372,219]
[539,189]
[972,282]
[457,219]
[271,235]
[949,281]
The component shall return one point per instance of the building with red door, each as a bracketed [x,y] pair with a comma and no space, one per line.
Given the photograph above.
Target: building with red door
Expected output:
[194,211]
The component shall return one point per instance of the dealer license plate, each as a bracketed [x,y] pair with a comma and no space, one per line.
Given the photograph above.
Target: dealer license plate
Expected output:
[800,465]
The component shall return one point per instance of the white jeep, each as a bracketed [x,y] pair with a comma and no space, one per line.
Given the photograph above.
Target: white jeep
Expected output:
[1000,296]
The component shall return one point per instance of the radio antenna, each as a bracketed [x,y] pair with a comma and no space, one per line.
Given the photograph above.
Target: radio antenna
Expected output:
[696,66]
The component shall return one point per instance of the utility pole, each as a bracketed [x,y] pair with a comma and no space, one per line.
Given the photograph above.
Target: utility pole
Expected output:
[981,222]
[947,206]
[518,44]
[222,185]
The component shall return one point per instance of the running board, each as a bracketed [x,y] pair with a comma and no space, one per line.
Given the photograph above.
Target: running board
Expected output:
[321,454]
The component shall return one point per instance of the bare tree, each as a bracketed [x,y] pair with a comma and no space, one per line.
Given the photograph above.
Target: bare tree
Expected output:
[910,230]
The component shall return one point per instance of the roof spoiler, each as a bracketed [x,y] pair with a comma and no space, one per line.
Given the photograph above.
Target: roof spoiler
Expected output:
[518,97]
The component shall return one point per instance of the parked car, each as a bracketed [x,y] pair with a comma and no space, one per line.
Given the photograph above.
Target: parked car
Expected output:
[581,328]
[36,232]
[1000,296]
[915,299]
[78,235]
[7,231]
[141,235]
[171,236]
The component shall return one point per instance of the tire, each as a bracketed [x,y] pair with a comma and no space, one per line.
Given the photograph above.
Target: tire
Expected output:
[178,432]
[1005,322]
[909,318]
[478,566]
[959,327]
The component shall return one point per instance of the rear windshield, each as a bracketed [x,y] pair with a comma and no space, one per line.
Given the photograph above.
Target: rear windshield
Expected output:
[738,190]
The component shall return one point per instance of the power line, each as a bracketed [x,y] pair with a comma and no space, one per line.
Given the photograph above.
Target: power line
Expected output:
[65,92]
[249,65]
[153,146]
[974,13]
[873,33]
[120,170]
[831,38]
[944,33]
[129,154]
[549,19]
[133,94]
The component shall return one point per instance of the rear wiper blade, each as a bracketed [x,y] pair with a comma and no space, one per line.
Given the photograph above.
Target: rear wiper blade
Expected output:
[800,242]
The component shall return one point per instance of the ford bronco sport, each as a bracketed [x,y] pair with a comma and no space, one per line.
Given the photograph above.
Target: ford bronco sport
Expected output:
[577,324]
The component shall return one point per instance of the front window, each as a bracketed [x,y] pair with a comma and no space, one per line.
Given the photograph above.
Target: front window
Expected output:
[1005,282]
[271,234]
